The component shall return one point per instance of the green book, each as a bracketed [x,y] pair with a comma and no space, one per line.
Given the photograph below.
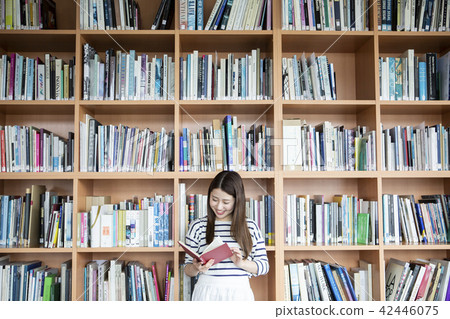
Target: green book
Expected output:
[48,281]
[363,229]
[55,291]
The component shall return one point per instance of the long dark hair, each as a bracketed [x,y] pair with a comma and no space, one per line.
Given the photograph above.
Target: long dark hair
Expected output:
[231,183]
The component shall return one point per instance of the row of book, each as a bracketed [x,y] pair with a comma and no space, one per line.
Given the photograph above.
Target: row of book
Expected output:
[414,78]
[109,15]
[187,284]
[414,15]
[346,219]
[120,148]
[308,79]
[337,15]
[30,149]
[227,15]
[23,78]
[231,78]
[125,76]
[117,280]
[27,15]
[41,218]
[417,280]
[227,146]
[34,281]
[261,210]
[326,148]
[314,280]
[409,221]
[418,148]
[144,223]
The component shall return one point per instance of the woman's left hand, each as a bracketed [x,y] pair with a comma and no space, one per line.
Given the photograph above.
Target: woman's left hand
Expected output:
[236,258]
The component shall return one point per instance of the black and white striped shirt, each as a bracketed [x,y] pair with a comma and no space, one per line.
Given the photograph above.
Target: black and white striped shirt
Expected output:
[196,240]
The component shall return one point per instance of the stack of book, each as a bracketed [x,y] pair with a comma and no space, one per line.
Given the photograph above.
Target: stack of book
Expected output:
[414,78]
[23,78]
[413,15]
[40,218]
[261,211]
[28,15]
[116,280]
[227,146]
[34,281]
[164,16]
[312,79]
[231,78]
[337,15]
[110,148]
[187,284]
[148,223]
[417,280]
[109,15]
[313,280]
[125,76]
[327,148]
[420,148]
[344,220]
[30,149]
[410,222]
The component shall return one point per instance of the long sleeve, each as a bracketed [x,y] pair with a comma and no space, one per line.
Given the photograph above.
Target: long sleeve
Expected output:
[258,254]
[193,238]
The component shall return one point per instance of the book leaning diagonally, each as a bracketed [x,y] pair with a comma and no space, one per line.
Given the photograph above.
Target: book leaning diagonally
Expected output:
[217,250]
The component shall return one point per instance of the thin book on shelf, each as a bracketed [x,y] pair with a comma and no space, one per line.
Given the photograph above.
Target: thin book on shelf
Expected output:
[217,250]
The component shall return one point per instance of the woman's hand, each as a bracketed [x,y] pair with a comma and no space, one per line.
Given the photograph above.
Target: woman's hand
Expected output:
[236,258]
[202,268]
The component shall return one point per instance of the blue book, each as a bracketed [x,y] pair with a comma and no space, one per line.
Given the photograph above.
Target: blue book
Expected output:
[352,291]
[332,282]
[422,81]
[29,93]
[188,77]
[181,154]
[295,285]
[191,14]
[391,67]
[158,78]
[216,23]
[181,79]
[229,141]
[199,14]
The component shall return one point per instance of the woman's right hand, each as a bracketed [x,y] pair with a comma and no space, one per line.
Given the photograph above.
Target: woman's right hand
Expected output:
[202,268]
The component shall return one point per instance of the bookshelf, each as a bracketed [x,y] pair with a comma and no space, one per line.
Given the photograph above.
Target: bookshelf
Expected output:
[355,56]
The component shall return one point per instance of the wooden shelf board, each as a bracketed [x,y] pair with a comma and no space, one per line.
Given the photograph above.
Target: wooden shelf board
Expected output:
[37,107]
[417,247]
[414,107]
[35,250]
[46,176]
[130,107]
[329,174]
[126,175]
[332,248]
[418,174]
[326,107]
[258,107]
[210,175]
[38,40]
[127,249]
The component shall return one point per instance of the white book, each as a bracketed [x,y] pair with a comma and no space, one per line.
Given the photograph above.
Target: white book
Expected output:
[417,283]
[100,15]
[106,228]
[233,14]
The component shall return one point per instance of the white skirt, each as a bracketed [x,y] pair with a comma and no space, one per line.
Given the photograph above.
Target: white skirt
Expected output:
[211,288]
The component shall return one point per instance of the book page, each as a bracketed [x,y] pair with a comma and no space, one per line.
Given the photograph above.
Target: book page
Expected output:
[214,244]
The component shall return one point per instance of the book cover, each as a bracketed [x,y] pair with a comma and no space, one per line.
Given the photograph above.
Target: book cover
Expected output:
[217,250]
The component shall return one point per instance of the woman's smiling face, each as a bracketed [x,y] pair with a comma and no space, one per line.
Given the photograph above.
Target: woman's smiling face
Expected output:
[222,204]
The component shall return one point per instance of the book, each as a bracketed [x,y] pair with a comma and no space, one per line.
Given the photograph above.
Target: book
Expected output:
[217,250]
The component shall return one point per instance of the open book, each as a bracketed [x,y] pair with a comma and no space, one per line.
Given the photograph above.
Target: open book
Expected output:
[217,250]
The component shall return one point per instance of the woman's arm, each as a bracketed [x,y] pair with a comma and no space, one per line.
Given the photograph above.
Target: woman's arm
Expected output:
[245,264]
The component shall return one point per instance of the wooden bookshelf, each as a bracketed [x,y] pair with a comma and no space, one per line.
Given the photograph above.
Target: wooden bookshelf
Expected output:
[355,56]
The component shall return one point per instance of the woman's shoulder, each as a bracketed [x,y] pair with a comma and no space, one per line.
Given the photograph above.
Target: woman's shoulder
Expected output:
[252,225]
[199,222]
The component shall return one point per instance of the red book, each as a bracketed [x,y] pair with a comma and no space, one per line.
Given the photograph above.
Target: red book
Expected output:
[155,280]
[3,150]
[217,250]
[424,283]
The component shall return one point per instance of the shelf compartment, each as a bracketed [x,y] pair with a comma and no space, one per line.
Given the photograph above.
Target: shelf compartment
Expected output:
[421,42]
[352,56]
[139,40]
[226,41]
[415,107]
[416,186]
[348,259]
[25,108]
[147,107]
[38,40]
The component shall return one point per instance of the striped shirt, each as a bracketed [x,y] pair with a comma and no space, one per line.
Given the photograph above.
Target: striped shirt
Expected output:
[196,240]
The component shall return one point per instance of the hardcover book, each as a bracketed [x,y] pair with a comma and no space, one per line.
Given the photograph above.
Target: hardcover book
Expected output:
[217,250]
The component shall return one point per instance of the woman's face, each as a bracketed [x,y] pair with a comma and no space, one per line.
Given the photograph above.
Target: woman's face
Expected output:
[222,204]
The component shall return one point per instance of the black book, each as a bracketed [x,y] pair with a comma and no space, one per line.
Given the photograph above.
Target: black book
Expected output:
[167,16]
[337,15]
[48,14]
[317,15]
[226,15]
[352,15]
[112,13]
[394,22]
[158,17]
